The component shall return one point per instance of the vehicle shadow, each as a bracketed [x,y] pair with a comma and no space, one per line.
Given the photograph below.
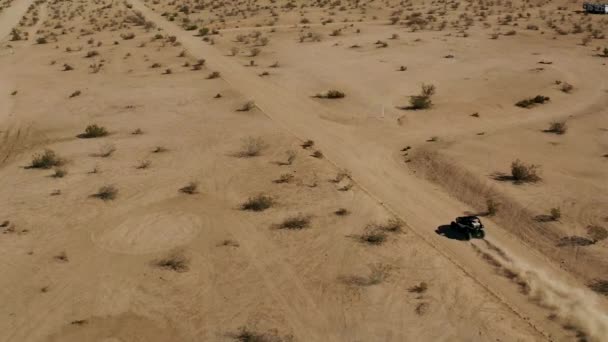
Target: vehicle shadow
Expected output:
[451,233]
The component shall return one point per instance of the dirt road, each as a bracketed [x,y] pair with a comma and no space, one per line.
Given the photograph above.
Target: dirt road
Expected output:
[376,168]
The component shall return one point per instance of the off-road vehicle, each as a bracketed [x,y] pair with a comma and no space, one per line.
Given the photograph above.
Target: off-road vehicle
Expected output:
[470,226]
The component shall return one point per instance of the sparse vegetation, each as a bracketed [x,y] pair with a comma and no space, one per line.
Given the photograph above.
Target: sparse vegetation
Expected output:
[107,193]
[524,173]
[190,189]
[530,102]
[252,147]
[46,160]
[175,261]
[331,94]
[258,203]
[94,131]
[492,207]
[557,127]
[342,212]
[423,100]
[295,222]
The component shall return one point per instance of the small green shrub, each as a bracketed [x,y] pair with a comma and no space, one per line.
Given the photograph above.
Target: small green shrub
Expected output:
[46,160]
[94,131]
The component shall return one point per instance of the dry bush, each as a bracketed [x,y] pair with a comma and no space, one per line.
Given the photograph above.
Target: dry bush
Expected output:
[62,257]
[74,94]
[159,149]
[555,214]
[597,233]
[106,193]
[137,131]
[249,335]
[423,100]
[213,75]
[317,154]
[331,94]
[600,286]
[524,173]
[252,147]
[127,36]
[234,51]
[258,203]
[291,157]
[307,144]
[295,222]
[144,164]
[190,189]
[94,131]
[229,243]
[175,261]
[284,178]
[492,207]
[60,173]
[254,52]
[342,174]
[342,212]
[557,127]
[106,151]
[530,102]
[420,288]
[566,87]
[373,237]
[393,225]
[46,160]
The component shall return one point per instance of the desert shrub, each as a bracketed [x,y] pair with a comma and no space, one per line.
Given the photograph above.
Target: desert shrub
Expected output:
[213,75]
[252,147]
[566,87]
[94,131]
[46,160]
[492,206]
[557,127]
[106,151]
[175,261]
[234,50]
[573,241]
[331,94]
[248,335]
[530,102]
[137,131]
[41,40]
[317,154]
[106,193]
[190,189]
[254,52]
[159,149]
[597,233]
[144,164]
[91,54]
[284,178]
[393,225]
[258,203]
[378,274]
[522,172]
[307,144]
[600,286]
[203,31]
[423,100]
[555,213]
[420,288]
[60,173]
[342,174]
[373,237]
[295,222]
[342,212]
[74,94]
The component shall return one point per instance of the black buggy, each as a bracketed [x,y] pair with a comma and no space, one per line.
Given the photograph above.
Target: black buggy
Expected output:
[470,226]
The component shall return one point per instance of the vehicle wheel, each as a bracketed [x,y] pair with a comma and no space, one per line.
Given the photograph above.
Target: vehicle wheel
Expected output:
[453,224]
[467,235]
[481,234]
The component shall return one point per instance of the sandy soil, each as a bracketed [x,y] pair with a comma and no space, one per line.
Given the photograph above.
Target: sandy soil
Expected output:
[140,234]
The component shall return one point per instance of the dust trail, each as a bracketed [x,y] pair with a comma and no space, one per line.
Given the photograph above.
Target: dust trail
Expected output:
[577,307]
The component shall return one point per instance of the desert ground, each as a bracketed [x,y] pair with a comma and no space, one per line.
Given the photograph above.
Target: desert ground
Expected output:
[287,170]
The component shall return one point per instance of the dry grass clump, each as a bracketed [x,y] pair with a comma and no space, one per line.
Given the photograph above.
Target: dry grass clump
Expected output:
[284,178]
[296,222]
[258,203]
[420,288]
[393,225]
[106,193]
[252,147]
[190,189]
[249,335]
[94,131]
[524,173]
[213,75]
[423,100]
[60,173]
[342,212]
[46,160]
[566,87]
[597,233]
[331,94]
[530,102]
[600,286]
[492,207]
[175,261]
[373,237]
[557,127]
[307,144]
[106,151]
